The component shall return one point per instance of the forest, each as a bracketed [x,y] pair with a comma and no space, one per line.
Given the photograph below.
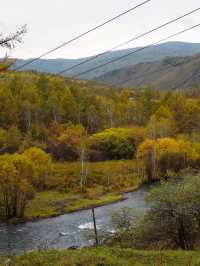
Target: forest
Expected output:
[85,143]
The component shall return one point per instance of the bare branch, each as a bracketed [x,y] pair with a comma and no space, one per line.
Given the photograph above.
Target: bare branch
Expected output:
[10,40]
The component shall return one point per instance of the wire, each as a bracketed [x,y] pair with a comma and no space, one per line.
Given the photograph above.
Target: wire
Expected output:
[81,35]
[134,52]
[127,42]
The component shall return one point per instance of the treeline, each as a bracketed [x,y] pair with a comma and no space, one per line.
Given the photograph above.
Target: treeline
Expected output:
[36,110]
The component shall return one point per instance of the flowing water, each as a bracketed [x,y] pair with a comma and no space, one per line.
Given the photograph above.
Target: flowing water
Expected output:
[66,230]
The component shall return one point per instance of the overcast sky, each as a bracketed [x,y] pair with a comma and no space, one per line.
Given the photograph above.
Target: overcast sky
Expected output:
[51,23]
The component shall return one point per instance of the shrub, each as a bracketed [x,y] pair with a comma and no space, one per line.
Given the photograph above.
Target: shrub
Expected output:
[42,164]
[174,216]
[115,143]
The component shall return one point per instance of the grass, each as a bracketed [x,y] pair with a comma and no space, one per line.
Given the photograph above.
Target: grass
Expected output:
[53,203]
[106,257]
[116,175]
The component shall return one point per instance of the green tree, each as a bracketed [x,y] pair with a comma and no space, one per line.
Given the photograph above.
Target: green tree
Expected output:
[116,143]
[173,217]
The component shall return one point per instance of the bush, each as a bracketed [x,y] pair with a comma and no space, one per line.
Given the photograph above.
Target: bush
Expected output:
[115,143]
[173,219]
[42,164]
[122,221]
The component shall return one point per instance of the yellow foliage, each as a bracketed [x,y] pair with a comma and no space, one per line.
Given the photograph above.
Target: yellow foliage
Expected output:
[165,154]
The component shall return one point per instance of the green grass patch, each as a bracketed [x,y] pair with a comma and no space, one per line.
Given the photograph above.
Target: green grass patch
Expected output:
[107,257]
[53,203]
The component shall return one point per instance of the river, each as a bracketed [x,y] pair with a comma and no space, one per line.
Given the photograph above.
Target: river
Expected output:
[66,230]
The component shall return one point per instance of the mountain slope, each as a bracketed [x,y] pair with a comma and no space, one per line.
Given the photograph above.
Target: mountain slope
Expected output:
[152,54]
[172,72]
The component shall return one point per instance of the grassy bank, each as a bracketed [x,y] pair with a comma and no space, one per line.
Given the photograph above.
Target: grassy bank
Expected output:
[52,203]
[104,184]
[106,257]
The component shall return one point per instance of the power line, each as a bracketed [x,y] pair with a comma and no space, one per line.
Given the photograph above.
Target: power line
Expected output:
[135,51]
[123,82]
[82,34]
[129,41]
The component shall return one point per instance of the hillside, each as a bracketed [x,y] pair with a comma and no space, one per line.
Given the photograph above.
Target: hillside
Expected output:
[158,52]
[172,72]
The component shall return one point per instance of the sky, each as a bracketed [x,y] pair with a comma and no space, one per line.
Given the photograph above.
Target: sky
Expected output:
[50,23]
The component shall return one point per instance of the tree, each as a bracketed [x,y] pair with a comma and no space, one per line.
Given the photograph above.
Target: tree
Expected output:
[68,143]
[9,41]
[147,103]
[161,124]
[10,140]
[176,102]
[42,165]
[191,118]
[8,107]
[163,155]
[175,155]
[16,172]
[147,154]
[173,217]
[29,107]
[13,140]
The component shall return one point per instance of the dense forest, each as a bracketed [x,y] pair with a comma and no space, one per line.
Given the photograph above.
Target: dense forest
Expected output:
[54,132]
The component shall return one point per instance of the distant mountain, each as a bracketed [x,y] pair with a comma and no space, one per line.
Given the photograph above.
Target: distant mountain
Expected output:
[169,73]
[152,54]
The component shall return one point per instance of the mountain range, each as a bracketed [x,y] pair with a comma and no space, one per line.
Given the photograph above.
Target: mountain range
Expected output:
[107,73]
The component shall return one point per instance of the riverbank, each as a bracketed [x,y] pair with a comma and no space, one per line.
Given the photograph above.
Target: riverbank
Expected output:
[52,203]
[105,256]
[106,183]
